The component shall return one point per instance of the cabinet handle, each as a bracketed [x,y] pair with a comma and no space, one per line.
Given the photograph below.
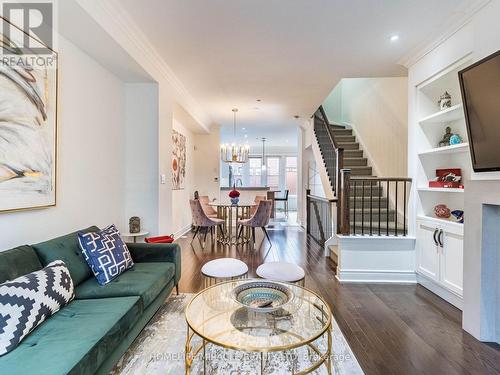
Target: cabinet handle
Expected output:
[434,237]
[440,238]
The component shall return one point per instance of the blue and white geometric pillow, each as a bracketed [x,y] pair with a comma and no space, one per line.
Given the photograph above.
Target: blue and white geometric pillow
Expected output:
[27,301]
[105,253]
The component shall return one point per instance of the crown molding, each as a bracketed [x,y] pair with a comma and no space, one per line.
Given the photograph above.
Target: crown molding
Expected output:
[462,18]
[120,26]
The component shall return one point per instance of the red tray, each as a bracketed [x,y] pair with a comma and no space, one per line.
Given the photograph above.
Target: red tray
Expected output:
[442,184]
[160,239]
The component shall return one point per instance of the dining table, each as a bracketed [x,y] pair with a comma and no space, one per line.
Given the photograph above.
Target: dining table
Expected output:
[231,213]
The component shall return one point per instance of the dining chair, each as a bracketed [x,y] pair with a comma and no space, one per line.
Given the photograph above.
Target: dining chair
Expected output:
[205,204]
[202,222]
[258,220]
[257,200]
[283,199]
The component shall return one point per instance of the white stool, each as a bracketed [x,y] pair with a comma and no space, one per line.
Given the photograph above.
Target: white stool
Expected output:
[223,269]
[282,271]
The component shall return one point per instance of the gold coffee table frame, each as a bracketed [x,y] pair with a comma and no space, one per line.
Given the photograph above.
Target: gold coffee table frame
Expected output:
[225,309]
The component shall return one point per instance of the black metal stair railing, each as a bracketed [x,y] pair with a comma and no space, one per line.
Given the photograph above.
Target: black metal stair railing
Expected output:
[374,206]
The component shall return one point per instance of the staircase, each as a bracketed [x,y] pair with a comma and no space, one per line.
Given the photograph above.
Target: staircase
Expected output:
[363,222]
[370,209]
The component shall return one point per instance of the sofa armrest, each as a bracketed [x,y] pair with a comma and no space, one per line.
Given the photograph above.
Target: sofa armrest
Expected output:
[157,252]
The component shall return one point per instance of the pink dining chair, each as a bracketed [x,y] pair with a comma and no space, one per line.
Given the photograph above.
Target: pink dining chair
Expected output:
[258,220]
[202,221]
[205,204]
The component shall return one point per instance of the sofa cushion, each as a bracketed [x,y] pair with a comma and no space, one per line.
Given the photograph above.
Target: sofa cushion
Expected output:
[18,262]
[67,249]
[105,253]
[76,340]
[26,302]
[146,280]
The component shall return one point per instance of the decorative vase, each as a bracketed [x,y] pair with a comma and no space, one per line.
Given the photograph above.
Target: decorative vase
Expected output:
[444,101]
[234,201]
[134,224]
[459,215]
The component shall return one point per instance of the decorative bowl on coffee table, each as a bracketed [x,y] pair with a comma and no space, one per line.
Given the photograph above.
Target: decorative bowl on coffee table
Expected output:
[262,296]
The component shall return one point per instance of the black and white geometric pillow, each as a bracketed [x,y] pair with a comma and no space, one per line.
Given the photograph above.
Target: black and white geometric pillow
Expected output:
[106,253]
[27,301]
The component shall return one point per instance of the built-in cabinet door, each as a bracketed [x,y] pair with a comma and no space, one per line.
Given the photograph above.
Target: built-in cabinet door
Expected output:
[452,257]
[428,251]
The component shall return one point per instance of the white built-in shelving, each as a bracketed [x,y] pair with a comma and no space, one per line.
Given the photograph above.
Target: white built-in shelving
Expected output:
[440,190]
[452,149]
[431,126]
[447,115]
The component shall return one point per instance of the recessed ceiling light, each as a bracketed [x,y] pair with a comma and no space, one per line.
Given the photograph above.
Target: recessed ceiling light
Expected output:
[243,128]
[394,38]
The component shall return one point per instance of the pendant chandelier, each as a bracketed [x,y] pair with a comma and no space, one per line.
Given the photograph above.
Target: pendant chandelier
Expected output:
[233,153]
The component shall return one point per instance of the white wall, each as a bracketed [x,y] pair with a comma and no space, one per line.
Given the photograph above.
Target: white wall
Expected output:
[90,170]
[141,155]
[377,110]
[207,163]
[476,39]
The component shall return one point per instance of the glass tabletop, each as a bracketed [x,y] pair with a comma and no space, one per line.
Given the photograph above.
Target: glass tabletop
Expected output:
[214,315]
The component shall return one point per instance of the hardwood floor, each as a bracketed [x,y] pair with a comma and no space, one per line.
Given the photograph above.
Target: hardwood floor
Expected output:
[392,329]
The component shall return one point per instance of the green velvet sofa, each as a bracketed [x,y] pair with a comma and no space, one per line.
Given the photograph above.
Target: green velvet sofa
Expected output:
[90,334]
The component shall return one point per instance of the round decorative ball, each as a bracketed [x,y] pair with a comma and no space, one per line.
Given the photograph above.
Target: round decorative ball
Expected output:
[455,139]
[442,211]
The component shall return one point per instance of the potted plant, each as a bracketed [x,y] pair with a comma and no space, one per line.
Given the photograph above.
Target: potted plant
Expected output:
[234,195]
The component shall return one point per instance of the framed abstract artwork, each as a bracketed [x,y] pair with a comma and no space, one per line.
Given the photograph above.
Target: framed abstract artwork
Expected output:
[28,122]
[178,160]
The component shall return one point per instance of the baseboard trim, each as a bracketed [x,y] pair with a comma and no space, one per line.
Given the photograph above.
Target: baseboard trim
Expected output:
[375,276]
[182,231]
[445,294]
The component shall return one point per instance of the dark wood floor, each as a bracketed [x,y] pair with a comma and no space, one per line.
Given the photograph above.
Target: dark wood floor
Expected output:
[392,329]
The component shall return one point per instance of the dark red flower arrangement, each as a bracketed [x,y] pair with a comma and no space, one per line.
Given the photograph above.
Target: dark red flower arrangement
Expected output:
[234,193]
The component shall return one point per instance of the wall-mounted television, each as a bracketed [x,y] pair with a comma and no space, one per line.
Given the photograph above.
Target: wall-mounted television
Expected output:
[480,86]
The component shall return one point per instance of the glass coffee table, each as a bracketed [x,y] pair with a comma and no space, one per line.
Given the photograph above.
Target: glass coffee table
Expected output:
[215,320]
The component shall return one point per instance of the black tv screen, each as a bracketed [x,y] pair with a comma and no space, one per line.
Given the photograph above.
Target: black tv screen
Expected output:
[480,86]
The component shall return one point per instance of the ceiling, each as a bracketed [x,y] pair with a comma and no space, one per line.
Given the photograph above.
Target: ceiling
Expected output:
[76,25]
[289,54]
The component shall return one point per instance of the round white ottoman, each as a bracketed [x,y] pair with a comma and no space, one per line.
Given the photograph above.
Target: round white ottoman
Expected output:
[223,269]
[282,271]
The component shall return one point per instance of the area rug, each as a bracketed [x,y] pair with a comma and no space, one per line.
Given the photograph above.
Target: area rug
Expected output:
[159,349]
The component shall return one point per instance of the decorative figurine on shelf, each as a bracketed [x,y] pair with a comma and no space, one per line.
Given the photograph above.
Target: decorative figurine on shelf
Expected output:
[444,101]
[459,215]
[234,195]
[442,211]
[455,139]
[134,224]
[446,138]
[451,177]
